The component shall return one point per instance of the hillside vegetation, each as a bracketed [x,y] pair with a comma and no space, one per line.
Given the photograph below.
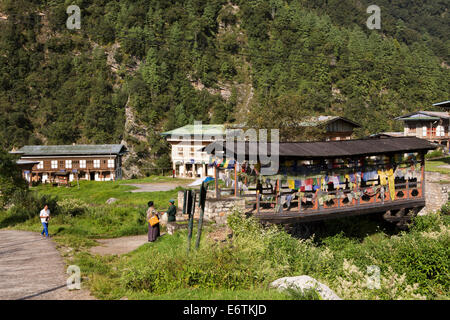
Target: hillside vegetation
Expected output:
[136,68]
[412,264]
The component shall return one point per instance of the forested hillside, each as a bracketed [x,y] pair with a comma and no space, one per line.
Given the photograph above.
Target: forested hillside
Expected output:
[136,68]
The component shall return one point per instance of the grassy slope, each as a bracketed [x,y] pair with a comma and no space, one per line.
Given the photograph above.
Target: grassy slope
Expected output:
[433,165]
[242,268]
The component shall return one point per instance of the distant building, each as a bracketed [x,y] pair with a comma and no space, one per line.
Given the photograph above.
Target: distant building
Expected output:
[86,162]
[445,105]
[187,158]
[387,135]
[433,126]
[336,128]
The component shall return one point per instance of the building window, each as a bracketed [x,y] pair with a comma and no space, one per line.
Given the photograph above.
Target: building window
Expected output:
[54,164]
[40,165]
[82,163]
[111,163]
[68,164]
[440,131]
[424,131]
[96,163]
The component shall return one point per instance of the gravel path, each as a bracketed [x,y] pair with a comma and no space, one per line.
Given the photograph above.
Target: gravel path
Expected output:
[119,245]
[32,268]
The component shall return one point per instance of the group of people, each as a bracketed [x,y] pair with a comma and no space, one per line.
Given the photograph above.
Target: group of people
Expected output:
[153,231]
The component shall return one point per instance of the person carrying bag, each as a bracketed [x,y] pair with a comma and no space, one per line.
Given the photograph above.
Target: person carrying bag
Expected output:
[153,222]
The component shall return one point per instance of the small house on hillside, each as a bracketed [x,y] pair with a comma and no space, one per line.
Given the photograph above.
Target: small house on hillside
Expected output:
[87,162]
[336,128]
[433,126]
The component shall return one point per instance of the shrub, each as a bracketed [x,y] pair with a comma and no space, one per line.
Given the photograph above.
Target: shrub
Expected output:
[445,209]
[72,207]
[434,154]
[30,203]
[431,222]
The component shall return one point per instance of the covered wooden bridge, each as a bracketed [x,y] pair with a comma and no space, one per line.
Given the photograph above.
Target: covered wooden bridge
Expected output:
[322,180]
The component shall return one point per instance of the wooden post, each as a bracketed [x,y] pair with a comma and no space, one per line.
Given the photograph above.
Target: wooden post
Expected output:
[191,223]
[277,189]
[235,179]
[257,201]
[216,183]
[299,201]
[202,200]
[316,201]
[422,160]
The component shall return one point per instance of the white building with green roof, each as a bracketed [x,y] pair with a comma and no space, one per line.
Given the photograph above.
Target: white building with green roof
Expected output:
[187,158]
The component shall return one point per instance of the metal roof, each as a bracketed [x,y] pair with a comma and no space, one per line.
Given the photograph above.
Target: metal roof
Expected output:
[444,104]
[320,120]
[332,149]
[387,134]
[424,115]
[207,130]
[72,150]
[24,162]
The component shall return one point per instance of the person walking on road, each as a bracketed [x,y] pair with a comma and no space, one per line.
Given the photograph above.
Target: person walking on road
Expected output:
[45,216]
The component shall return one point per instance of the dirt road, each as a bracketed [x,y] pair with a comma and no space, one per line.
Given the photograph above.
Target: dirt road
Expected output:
[119,245]
[32,268]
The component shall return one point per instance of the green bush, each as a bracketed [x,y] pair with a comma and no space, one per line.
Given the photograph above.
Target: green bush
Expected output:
[445,210]
[72,207]
[434,154]
[424,261]
[211,267]
[431,222]
[30,203]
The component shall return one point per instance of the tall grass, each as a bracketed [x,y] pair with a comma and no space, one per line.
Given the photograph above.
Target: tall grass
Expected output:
[412,265]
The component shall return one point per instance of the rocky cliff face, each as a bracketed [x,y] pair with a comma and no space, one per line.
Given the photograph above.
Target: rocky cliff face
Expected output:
[133,132]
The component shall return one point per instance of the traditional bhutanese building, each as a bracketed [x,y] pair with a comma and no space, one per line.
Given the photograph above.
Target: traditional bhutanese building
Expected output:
[187,158]
[70,162]
[433,126]
[336,128]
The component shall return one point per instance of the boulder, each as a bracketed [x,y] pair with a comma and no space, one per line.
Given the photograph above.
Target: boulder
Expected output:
[111,200]
[305,282]
[173,226]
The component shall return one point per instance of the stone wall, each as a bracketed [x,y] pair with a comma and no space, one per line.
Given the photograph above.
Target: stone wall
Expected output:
[218,210]
[436,194]
[215,210]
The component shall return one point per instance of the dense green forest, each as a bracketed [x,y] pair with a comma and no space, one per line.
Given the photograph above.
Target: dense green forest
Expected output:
[137,68]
